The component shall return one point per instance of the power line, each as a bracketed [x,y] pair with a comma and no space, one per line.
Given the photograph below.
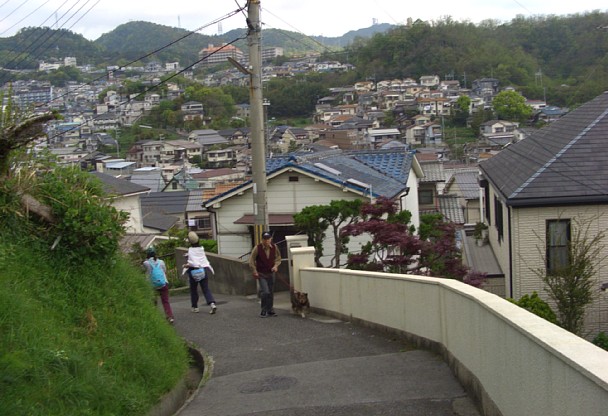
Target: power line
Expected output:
[28,15]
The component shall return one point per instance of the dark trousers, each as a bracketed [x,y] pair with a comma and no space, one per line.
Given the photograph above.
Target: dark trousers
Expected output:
[204,286]
[164,298]
[266,282]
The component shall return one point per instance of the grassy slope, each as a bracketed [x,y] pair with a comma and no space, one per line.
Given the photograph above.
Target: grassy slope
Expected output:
[87,341]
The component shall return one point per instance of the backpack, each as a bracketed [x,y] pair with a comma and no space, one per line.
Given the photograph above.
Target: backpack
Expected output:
[157,276]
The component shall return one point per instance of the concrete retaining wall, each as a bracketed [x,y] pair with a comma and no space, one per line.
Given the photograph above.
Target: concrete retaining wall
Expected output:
[512,361]
[232,276]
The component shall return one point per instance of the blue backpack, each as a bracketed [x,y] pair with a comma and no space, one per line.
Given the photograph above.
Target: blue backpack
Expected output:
[157,276]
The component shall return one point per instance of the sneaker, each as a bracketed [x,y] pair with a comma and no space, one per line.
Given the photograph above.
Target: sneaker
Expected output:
[213,309]
[171,320]
[271,313]
[263,314]
[195,310]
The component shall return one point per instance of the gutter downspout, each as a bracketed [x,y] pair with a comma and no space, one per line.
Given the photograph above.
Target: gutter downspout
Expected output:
[510,294]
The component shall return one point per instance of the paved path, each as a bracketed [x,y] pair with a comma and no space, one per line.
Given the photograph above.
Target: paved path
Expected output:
[287,365]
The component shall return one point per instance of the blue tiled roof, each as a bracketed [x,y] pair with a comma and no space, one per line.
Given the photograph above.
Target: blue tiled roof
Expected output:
[385,171]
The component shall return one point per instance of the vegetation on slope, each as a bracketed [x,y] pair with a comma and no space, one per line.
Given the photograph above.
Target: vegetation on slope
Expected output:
[79,332]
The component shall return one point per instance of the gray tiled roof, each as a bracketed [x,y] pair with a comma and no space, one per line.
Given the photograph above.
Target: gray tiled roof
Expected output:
[451,209]
[165,203]
[116,186]
[467,184]
[433,171]
[152,179]
[565,162]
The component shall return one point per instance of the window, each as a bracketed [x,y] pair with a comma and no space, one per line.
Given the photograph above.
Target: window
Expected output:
[486,201]
[425,197]
[558,241]
[498,218]
[202,222]
[294,179]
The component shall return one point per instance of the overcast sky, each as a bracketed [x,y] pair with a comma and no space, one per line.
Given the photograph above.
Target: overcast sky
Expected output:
[92,18]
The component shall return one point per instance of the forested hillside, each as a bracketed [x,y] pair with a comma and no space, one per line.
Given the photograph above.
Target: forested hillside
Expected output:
[562,58]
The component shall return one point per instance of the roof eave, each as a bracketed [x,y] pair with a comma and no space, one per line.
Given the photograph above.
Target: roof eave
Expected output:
[557,201]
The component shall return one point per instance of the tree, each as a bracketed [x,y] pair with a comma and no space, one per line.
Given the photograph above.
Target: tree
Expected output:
[572,285]
[440,256]
[461,110]
[393,247]
[17,130]
[316,219]
[510,105]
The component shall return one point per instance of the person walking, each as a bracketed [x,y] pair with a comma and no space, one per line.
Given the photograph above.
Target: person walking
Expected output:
[156,270]
[196,260]
[264,262]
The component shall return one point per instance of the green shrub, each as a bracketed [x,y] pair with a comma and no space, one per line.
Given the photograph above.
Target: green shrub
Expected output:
[537,306]
[79,333]
[601,340]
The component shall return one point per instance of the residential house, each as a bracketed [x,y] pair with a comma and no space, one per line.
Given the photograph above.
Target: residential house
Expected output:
[433,106]
[550,113]
[192,110]
[151,152]
[181,180]
[346,138]
[364,86]
[209,178]
[377,137]
[485,88]
[207,138]
[150,177]
[69,155]
[540,192]
[465,186]
[197,218]
[425,134]
[164,210]
[175,151]
[117,167]
[431,183]
[301,180]
[125,196]
[498,132]
[430,81]
[221,157]
[237,136]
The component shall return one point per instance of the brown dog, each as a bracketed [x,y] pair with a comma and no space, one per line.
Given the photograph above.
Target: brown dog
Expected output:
[299,303]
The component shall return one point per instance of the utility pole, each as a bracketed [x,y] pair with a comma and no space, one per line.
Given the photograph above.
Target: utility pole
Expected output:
[258,157]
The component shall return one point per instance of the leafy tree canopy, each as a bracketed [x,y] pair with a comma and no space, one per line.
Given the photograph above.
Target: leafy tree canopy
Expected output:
[510,105]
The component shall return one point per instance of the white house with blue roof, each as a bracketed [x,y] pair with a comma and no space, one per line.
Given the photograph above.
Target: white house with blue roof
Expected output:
[298,181]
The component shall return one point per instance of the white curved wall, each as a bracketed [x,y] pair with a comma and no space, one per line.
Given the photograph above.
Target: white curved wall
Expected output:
[523,364]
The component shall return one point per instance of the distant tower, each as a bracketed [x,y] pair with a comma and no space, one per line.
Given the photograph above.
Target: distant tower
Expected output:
[219,29]
[179,22]
[374,21]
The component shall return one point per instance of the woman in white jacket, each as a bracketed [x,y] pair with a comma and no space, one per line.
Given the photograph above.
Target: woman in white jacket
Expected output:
[197,259]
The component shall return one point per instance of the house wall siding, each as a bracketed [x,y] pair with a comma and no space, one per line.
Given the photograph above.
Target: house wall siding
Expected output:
[132,206]
[283,197]
[529,244]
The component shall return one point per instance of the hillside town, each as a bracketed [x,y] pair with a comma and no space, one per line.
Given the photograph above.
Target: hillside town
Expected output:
[410,208]
[347,152]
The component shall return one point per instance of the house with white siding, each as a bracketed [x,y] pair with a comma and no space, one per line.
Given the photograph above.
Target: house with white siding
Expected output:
[295,182]
[538,192]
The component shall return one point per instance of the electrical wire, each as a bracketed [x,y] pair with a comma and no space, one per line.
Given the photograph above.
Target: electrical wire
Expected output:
[14,10]
[28,15]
